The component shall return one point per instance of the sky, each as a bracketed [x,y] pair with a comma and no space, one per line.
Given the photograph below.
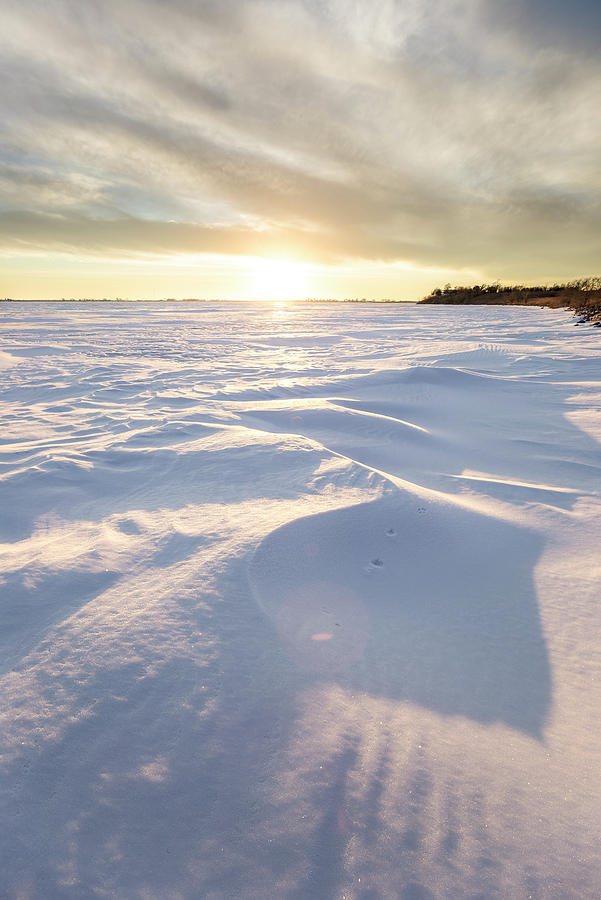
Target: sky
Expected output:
[272,149]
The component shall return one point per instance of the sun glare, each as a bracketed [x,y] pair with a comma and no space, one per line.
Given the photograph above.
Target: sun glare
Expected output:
[278,279]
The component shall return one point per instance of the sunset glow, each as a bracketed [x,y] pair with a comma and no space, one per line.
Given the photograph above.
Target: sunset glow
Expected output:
[275,279]
[460,146]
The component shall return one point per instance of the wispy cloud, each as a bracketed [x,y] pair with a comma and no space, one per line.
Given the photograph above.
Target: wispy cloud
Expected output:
[450,133]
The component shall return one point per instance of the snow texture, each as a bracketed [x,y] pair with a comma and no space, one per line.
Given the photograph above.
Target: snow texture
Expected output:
[299,601]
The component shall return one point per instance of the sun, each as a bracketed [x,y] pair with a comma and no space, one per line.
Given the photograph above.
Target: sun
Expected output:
[279,279]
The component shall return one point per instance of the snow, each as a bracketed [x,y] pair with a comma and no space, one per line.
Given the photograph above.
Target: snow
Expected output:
[299,601]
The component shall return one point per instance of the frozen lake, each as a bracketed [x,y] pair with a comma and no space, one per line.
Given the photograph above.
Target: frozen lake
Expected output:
[299,601]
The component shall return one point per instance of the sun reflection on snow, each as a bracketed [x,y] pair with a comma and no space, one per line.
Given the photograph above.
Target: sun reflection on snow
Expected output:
[281,310]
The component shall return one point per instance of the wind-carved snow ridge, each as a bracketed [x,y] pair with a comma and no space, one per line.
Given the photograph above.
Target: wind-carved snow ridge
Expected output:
[299,600]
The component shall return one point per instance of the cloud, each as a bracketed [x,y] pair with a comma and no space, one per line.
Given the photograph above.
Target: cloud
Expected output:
[441,134]
[575,25]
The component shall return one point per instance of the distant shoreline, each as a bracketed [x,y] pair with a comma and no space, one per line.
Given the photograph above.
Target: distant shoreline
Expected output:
[195,300]
[582,296]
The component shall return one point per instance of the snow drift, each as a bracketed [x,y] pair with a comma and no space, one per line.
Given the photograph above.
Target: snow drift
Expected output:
[299,601]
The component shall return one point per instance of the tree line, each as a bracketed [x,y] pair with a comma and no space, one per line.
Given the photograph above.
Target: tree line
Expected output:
[582,295]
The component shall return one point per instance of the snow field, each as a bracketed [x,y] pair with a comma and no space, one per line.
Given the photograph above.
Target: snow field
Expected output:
[299,601]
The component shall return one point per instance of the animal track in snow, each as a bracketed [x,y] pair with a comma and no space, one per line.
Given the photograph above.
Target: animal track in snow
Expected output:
[373,565]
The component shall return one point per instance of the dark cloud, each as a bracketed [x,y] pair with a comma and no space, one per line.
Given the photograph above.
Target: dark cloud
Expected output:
[575,24]
[438,134]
